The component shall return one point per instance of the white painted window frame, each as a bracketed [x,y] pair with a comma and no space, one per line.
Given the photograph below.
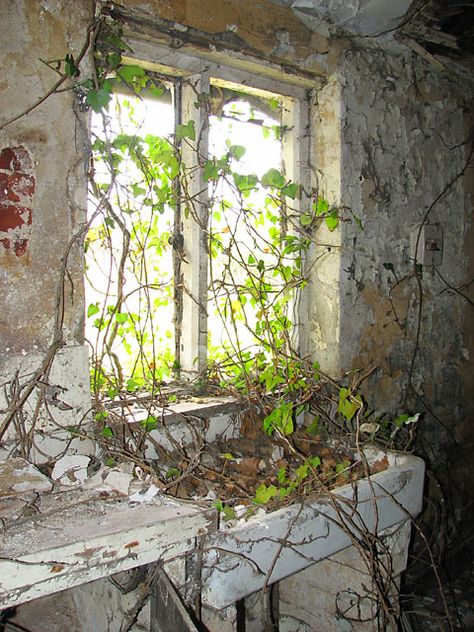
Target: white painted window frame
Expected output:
[197,74]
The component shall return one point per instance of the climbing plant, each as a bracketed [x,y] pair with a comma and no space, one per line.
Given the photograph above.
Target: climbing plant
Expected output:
[259,231]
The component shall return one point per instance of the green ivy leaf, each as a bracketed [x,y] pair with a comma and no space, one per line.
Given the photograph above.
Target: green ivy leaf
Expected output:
[186,130]
[107,432]
[172,472]
[229,513]
[92,310]
[273,178]
[302,472]
[210,171]
[322,207]
[306,219]
[134,76]
[98,99]
[70,68]
[315,461]
[263,494]
[274,103]
[121,318]
[348,404]
[117,42]
[114,60]
[132,385]
[237,151]
[155,90]
[150,423]
[245,183]
[228,456]
[291,190]
[280,419]
[281,476]
[332,221]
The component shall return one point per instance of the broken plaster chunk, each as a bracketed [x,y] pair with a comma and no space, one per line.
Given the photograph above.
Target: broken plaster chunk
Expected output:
[18,476]
[71,469]
[96,480]
[127,467]
[144,495]
[120,481]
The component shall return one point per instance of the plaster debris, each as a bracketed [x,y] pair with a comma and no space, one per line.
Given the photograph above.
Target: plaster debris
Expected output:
[120,481]
[145,496]
[96,481]
[71,469]
[19,476]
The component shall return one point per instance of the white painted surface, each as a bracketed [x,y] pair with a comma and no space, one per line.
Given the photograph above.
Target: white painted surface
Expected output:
[240,559]
[81,537]
[67,397]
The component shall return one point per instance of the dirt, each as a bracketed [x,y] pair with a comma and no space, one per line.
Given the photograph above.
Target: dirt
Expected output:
[259,470]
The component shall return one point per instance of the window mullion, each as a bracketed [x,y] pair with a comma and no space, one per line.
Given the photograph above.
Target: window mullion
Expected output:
[296,149]
[194,229]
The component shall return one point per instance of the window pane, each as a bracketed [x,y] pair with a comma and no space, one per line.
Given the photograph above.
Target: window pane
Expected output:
[250,273]
[129,267]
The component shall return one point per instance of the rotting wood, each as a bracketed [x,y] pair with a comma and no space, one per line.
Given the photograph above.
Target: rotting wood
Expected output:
[178,36]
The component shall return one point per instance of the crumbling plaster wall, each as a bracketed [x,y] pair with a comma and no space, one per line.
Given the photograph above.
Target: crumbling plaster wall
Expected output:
[398,125]
[384,124]
[30,32]
[41,269]
[396,133]
[44,153]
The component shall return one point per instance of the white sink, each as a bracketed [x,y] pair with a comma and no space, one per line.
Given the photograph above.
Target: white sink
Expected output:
[243,559]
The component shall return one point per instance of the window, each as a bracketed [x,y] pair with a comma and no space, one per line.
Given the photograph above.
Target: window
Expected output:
[196,248]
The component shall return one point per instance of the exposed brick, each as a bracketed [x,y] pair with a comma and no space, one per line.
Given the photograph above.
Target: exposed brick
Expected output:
[15,159]
[13,216]
[20,247]
[7,158]
[17,186]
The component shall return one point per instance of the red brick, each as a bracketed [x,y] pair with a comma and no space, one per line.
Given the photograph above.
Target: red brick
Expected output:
[13,216]
[6,158]
[16,187]
[15,159]
[20,247]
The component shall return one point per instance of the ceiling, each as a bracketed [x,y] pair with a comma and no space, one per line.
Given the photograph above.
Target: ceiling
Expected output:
[441,31]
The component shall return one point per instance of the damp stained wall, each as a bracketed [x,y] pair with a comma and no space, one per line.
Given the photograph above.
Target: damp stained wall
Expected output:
[391,144]
[43,160]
